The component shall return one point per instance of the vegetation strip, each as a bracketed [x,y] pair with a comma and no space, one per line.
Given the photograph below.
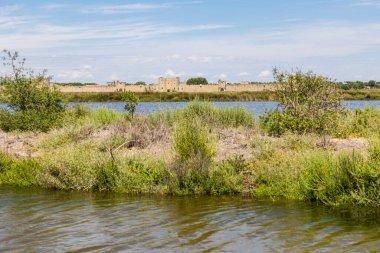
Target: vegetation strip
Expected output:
[373,94]
[310,149]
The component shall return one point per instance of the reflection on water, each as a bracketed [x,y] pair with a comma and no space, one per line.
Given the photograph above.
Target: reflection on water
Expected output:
[40,221]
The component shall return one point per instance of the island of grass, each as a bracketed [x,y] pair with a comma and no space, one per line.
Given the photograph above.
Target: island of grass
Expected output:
[310,149]
[199,149]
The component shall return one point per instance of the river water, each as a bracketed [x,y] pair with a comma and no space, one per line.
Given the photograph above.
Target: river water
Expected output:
[256,107]
[51,221]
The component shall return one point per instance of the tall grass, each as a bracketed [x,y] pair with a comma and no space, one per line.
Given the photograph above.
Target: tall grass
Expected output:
[194,152]
[83,155]
[334,179]
[103,116]
[359,123]
[207,113]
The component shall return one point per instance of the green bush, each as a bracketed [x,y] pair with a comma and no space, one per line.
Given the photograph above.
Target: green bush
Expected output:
[131,102]
[73,168]
[194,153]
[309,104]
[18,173]
[33,104]
[135,175]
[345,179]
[359,123]
[197,81]
[226,177]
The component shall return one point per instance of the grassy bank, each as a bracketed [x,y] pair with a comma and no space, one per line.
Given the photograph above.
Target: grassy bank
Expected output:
[199,149]
[214,96]
[171,96]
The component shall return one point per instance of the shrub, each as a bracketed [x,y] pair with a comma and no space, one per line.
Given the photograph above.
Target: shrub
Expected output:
[131,102]
[33,104]
[347,178]
[73,168]
[135,175]
[226,177]
[197,81]
[359,123]
[18,173]
[194,153]
[309,103]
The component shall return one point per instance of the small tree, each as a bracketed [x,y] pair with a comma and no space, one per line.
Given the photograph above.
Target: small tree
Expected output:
[197,81]
[131,102]
[371,83]
[309,103]
[140,83]
[34,104]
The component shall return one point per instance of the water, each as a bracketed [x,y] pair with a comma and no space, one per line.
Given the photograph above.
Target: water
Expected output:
[50,221]
[257,108]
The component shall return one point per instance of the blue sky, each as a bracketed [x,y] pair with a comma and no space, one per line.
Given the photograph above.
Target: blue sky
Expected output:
[100,41]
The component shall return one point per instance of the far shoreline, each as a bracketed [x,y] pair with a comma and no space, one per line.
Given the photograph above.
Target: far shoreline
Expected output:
[370,94]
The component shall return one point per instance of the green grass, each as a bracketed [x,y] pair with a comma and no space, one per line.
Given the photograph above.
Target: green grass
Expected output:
[76,157]
[206,96]
[207,113]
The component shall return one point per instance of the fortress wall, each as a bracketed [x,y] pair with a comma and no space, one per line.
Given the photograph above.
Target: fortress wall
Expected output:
[250,87]
[199,88]
[103,88]
[167,86]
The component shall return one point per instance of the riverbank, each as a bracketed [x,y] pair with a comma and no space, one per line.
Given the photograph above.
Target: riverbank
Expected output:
[215,96]
[199,149]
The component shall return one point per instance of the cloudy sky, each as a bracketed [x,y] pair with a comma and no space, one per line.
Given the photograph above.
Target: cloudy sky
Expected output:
[100,41]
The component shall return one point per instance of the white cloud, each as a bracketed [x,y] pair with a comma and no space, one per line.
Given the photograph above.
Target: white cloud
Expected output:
[200,74]
[243,74]
[113,77]
[113,32]
[222,76]
[265,74]
[172,73]
[135,7]
[87,67]
[175,56]
[369,3]
[200,58]
[54,6]
[75,74]
[126,8]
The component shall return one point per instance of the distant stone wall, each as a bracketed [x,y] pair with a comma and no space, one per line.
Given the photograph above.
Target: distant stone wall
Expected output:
[168,85]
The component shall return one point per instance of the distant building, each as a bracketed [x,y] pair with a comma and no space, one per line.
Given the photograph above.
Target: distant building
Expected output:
[168,84]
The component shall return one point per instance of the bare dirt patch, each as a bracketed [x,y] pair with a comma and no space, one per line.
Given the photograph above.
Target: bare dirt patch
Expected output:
[19,145]
[348,144]
[234,142]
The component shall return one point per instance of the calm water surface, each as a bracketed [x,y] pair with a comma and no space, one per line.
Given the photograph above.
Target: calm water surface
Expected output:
[256,107]
[48,221]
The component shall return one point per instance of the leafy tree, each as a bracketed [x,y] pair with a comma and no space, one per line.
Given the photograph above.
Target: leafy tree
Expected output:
[140,83]
[197,81]
[309,103]
[131,102]
[372,83]
[34,104]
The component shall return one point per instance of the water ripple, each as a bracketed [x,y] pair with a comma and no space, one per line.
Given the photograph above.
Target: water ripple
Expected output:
[48,221]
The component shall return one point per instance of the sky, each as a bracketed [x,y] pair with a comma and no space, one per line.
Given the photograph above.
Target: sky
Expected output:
[235,40]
